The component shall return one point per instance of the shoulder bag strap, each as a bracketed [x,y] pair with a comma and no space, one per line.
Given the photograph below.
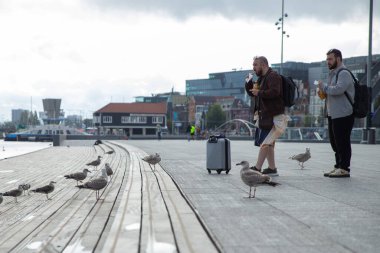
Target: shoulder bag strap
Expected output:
[353,77]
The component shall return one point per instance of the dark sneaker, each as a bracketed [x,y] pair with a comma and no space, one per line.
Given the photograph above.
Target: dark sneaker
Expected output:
[328,173]
[340,173]
[270,172]
[254,168]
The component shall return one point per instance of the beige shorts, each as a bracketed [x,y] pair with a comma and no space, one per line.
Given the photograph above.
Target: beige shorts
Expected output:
[280,122]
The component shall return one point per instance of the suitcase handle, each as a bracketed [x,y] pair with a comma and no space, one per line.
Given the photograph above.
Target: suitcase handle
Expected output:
[213,139]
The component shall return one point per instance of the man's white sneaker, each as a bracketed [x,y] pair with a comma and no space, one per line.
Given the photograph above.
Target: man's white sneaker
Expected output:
[340,173]
[328,173]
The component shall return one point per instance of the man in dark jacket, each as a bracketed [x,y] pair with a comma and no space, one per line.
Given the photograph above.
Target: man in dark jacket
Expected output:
[267,92]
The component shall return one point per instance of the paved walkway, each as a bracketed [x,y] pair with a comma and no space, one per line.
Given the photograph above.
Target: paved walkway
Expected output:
[144,210]
[306,213]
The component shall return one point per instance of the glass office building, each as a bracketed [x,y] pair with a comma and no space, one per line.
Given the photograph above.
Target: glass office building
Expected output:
[220,84]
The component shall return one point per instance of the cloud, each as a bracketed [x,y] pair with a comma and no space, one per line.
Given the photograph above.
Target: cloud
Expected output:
[323,10]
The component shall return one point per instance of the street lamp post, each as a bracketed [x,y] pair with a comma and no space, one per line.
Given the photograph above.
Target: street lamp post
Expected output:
[280,25]
[368,133]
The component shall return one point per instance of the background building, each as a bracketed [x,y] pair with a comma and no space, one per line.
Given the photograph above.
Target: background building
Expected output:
[16,115]
[220,84]
[130,118]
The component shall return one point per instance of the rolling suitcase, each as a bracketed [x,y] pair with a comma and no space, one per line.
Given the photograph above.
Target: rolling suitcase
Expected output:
[218,154]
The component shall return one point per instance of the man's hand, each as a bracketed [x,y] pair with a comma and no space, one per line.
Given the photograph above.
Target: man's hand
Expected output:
[255,92]
[320,85]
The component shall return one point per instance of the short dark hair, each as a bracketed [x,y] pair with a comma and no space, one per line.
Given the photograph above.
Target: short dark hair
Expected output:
[336,52]
[262,59]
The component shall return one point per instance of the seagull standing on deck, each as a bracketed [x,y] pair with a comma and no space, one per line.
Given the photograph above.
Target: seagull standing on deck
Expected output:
[301,158]
[96,184]
[152,159]
[253,178]
[78,176]
[95,163]
[14,193]
[46,189]
[109,170]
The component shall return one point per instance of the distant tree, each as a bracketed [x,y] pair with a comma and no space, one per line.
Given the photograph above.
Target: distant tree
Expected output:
[35,120]
[24,118]
[215,116]
[88,123]
[8,127]
[309,120]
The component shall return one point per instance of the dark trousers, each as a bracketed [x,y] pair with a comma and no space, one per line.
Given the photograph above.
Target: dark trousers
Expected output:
[340,140]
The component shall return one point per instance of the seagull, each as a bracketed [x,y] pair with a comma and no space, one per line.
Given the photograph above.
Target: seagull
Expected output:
[96,184]
[109,170]
[254,178]
[110,152]
[46,189]
[14,193]
[152,159]
[78,176]
[95,163]
[301,158]
[25,187]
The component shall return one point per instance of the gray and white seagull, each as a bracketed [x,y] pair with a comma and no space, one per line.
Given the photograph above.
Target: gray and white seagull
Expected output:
[78,176]
[14,193]
[301,158]
[152,159]
[96,184]
[46,189]
[95,163]
[253,178]
[109,170]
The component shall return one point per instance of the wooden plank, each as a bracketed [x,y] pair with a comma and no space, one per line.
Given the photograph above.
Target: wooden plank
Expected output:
[125,231]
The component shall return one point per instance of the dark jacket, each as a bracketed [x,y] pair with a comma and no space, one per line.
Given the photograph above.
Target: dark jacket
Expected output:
[269,101]
[270,94]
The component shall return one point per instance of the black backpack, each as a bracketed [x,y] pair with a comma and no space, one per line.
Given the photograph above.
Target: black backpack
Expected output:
[289,91]
[361,99]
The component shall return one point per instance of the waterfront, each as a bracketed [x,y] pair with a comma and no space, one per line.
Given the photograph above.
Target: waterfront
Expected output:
[14,148]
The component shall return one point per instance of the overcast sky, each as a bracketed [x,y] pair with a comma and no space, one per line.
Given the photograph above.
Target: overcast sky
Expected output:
[92,52]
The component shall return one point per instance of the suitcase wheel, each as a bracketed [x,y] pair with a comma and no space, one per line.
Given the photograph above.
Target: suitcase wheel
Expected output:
[219,171]
[227,171]
[209,171]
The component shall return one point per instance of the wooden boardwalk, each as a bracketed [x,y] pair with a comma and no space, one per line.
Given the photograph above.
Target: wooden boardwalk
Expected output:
[139,210]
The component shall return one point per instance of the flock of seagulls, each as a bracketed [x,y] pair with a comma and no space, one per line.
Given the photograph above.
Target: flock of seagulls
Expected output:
[95,184]
[249,176]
